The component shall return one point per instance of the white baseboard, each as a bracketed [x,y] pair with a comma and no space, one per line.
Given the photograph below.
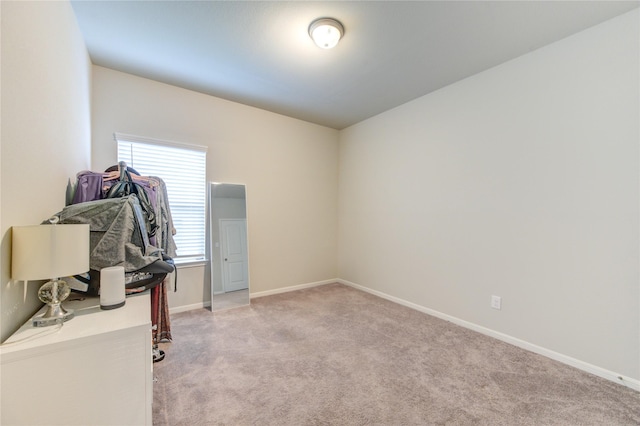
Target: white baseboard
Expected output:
[292,288]
[581,365]
[207,304]
[191,307]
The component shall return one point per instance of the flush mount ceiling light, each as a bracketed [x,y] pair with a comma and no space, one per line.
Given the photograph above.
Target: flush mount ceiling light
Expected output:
[326,32]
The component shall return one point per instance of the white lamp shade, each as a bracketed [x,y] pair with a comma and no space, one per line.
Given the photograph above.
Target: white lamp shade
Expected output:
[42,252]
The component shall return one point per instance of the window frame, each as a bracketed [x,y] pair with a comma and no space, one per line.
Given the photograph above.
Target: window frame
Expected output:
[185,260]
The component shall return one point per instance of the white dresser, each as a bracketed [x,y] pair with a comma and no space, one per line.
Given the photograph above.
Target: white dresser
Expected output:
[95,370]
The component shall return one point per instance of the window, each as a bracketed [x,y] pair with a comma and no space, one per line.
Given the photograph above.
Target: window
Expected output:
[182,168]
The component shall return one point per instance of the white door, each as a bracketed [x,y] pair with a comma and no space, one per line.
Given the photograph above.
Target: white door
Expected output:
[235,263]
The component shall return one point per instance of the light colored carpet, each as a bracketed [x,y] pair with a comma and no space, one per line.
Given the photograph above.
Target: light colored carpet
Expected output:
[230,300]
[333,355]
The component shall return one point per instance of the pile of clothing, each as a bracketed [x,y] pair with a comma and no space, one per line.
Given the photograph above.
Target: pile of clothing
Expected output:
[131,226]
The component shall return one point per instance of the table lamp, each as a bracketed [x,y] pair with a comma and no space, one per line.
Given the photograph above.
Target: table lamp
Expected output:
[50,251]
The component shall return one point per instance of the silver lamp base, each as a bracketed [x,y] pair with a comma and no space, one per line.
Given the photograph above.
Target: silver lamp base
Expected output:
[53,293]
[55,314]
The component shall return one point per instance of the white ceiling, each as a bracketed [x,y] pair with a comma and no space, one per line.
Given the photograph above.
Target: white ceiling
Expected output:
[259,53]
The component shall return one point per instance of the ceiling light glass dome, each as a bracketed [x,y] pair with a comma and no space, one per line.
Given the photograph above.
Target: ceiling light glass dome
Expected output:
[326,32]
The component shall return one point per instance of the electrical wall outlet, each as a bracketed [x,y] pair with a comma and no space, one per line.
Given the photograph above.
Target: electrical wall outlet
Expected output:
[496,302]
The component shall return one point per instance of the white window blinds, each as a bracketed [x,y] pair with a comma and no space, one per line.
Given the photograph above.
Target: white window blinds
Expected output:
[182,168]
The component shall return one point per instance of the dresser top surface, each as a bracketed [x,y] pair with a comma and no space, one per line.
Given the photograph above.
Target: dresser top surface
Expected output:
[89,320]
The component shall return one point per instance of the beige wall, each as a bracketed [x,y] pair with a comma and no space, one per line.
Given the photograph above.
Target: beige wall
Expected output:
[289,167]
[521,182]
[45,134]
